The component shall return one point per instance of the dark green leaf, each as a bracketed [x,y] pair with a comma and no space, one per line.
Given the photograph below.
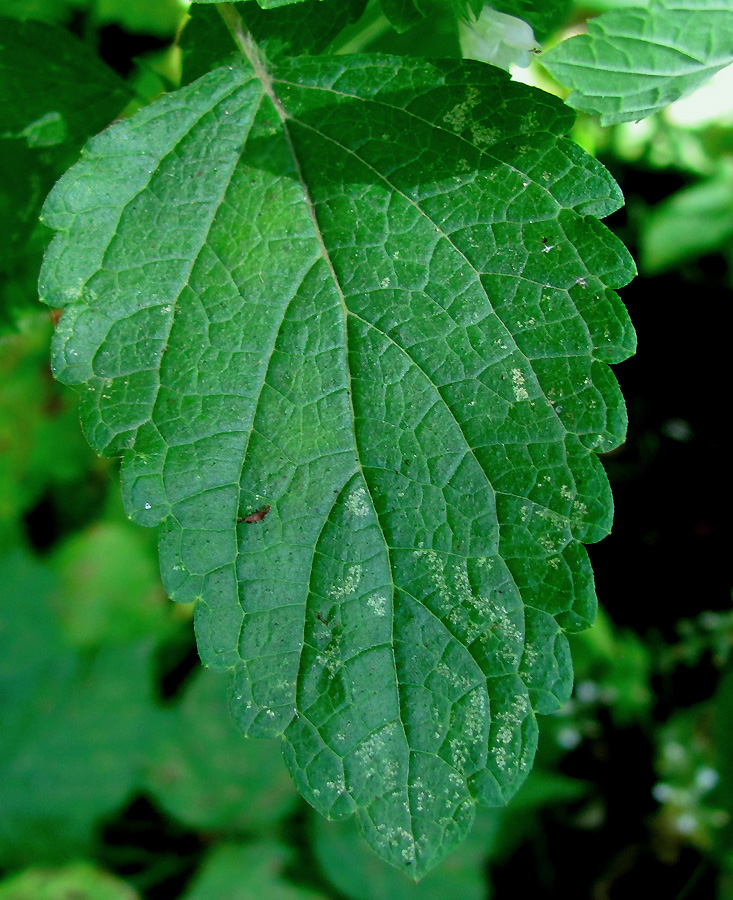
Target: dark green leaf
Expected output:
[306,27]
[543,15]
[53,88]
[368,297]
[403,14]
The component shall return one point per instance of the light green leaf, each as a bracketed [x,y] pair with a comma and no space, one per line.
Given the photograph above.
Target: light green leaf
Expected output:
[203,771]
[73,726]
[79,881]
[110,586]
[694,221]
[265,4]
[39,425]
[634,62]
[368,299]
[248,872]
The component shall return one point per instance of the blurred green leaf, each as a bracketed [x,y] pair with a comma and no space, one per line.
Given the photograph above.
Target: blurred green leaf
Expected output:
[689,224]
[53,88]
[110,586]
[359,874]
[248,872]
[40,445]
[80,881]
[634,62]
[54,93]
[305,28]
[74,726]
[616,664]
[159,17]
[543,15]
[403,14]
[205,774]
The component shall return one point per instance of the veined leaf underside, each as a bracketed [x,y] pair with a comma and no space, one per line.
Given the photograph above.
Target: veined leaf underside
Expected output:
[371,294]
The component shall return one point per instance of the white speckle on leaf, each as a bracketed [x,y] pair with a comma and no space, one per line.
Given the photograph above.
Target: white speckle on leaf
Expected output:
[350,583]
[378,604]
[357,503]
[520,391]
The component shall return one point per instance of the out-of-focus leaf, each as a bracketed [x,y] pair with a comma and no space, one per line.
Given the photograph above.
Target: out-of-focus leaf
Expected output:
[54,93]
[359,874]
[634,62]
[80,881]
[43,10]
[690,223]
[618,663]
[160,17]
[248,872]
[53,88]
[203,771]
[39,440]
[74,726]
[303,28]
[111,590]
[403,14]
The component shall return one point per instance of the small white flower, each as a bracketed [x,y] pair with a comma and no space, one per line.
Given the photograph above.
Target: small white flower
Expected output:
[496,38]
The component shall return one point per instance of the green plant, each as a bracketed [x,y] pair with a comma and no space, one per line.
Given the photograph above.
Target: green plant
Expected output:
[348,320]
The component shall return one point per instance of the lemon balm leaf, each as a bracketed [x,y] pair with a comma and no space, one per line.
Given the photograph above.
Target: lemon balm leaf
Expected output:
[634,62]
[373,296]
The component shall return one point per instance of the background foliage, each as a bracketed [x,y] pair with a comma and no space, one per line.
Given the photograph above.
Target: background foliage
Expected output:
[105,786]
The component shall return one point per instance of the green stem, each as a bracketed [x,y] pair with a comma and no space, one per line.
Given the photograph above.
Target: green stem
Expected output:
[356,38]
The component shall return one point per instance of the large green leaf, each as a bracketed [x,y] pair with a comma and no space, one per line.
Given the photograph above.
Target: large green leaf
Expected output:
[368,299]
[634,62]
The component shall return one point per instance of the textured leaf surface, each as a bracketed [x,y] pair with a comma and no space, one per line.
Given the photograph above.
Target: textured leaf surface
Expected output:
[634,62]
[372,295]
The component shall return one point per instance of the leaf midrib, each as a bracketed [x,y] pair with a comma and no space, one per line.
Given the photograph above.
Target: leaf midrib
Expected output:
[247,46]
